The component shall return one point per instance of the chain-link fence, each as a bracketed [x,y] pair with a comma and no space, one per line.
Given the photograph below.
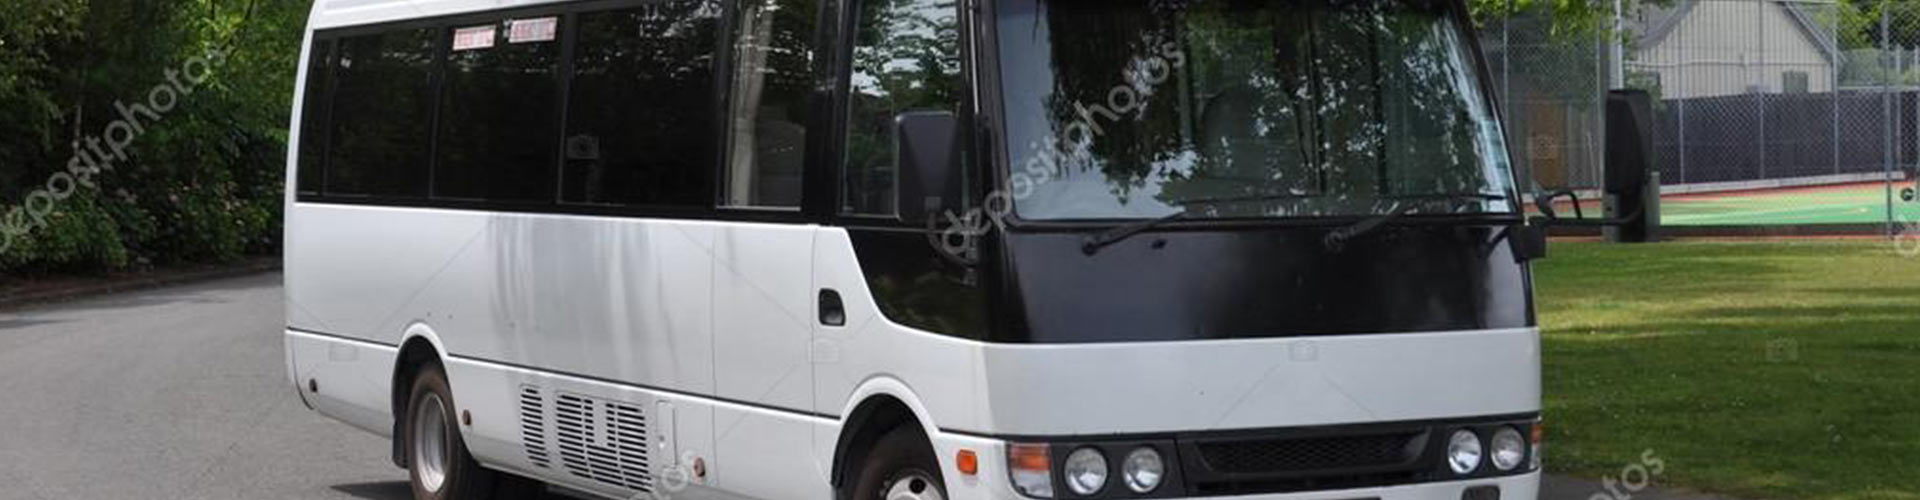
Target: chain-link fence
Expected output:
[1768,112]
[1553,89]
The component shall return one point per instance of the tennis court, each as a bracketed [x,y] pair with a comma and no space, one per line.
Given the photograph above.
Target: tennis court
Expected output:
[1859,203]
[1853,203]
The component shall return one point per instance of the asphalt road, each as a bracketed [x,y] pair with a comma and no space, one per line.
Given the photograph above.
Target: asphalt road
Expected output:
[170,393]
[180,393]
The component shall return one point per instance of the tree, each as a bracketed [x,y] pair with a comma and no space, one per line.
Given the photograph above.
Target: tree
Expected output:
[28,108]
[1860,23]
[200,183]
[1570,17]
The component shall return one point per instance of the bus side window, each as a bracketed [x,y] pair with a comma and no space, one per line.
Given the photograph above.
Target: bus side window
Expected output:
[382,115]
[499,113]
[640,130]
[313,120]
[772,70]
[906,57]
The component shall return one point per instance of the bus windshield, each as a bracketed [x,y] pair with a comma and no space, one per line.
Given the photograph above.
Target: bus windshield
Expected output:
[1130,109]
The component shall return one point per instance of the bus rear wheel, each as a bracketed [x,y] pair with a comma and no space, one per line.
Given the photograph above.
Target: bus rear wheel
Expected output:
[901,467]
[437,459]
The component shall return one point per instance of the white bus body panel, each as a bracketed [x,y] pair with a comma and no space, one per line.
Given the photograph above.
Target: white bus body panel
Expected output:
[354,379]
[1253,384]
[1057,390]
[709,326]
[628,310]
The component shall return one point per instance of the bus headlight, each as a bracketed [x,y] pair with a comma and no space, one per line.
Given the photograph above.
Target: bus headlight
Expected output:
[1085,471]
[1508,449]
[1143,469]
[1032,469]
[1463,452]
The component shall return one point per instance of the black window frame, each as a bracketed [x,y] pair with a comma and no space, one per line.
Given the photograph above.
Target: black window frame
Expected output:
[323,56]
[976,174]
[814,169]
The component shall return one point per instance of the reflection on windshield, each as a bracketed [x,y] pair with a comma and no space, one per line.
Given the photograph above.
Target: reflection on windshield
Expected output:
[1130,109]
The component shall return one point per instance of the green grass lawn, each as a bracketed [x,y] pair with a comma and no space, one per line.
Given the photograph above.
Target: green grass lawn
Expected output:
[1757,370]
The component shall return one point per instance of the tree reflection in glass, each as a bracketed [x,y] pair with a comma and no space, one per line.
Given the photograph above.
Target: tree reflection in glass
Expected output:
[1143,108]
[906,58]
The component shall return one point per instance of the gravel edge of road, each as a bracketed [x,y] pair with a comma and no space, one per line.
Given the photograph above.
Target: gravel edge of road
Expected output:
[117,284]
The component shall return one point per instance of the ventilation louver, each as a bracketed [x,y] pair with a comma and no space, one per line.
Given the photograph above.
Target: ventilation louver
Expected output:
[533,426]
[594,439]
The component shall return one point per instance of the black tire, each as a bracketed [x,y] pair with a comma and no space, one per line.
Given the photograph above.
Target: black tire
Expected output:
[462,477]
[902,455]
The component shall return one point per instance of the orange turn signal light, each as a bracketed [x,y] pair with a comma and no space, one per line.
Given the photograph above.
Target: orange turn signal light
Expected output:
[969,462]
[1539,433]
[1030,458]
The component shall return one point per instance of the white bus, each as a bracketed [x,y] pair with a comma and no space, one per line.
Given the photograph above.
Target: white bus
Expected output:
[914,249]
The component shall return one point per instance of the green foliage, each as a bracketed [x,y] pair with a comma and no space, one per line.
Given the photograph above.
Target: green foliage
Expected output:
[81,235]
[1570,17]
[1875,34]
[1860,23]
[202,183]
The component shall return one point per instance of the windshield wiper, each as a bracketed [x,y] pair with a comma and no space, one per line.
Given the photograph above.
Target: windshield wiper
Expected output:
[1337,240]
[1095,242]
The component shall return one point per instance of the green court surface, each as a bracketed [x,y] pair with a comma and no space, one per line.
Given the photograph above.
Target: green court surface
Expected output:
[1858,203]
[1863,203]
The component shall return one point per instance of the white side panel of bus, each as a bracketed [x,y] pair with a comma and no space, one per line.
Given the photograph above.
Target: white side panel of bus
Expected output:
[940,371]
[613,299]
[608,298]
[769,454]
[763,316]
[665,433]
[352,379]
[354,271]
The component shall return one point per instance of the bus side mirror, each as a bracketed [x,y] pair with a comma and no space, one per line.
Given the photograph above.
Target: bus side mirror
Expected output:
[927,145]
[1529,240]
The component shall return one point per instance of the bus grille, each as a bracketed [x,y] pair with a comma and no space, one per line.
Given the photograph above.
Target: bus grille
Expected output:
[1290,455]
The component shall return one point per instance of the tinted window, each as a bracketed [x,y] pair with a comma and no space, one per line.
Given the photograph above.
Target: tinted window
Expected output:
[498,123]
[1230,109]
[906,58]
[772,69]
[382,115]
[313,120]
[640,127]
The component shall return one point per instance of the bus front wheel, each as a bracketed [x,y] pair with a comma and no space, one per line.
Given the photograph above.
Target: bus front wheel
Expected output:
[901,467]
[437,459]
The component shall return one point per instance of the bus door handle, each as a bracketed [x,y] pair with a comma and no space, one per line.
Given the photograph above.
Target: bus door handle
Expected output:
[833,311]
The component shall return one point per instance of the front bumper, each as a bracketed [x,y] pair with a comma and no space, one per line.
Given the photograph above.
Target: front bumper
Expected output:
[1524,487]
[993,481]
